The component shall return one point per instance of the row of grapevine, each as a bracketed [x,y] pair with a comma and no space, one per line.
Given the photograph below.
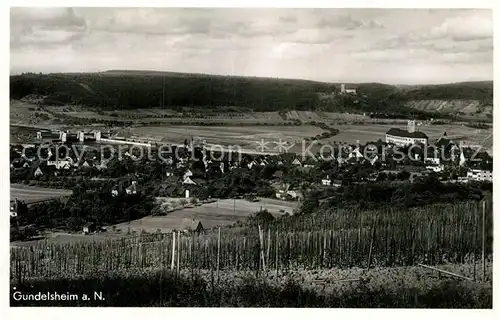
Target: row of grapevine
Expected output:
[430,235]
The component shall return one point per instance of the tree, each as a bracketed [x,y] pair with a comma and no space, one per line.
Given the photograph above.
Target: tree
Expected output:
[263,217]
[382,176]
[404,175]
[309,205]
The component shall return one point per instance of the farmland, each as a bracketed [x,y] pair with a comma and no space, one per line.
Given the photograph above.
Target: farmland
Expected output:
[246,137]
[372,132]
[219,213]
[31,194]
[240,128]
[342,239]
[332,260]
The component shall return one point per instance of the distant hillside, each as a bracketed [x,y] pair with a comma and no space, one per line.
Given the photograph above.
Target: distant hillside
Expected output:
[122,89]
[133,90]
[480,90]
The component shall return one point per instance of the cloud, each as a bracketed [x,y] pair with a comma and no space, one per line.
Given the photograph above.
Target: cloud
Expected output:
[43,26]
[149,21]
[465,28]
[323,44]
[288,19]
[347,22]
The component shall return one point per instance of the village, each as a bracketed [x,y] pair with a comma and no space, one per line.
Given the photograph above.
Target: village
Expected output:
[196,174]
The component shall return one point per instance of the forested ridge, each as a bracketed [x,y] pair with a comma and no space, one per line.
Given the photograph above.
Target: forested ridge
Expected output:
[143,89]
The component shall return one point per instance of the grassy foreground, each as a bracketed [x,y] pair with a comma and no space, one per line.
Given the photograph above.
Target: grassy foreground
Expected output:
[164,289]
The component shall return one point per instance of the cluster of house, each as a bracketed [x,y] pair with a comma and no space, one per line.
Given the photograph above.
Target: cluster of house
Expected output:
[181,164]
[52,163]
[431,162]
[131,188]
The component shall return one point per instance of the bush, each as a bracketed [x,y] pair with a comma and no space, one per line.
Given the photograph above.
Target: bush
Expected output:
[262,217]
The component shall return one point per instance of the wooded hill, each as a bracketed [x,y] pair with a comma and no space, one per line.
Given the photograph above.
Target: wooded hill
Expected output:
[117,89]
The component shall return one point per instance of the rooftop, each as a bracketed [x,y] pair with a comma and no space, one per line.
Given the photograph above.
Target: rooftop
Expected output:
[404,133]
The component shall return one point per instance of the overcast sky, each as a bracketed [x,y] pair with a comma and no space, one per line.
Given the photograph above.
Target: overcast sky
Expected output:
[396,46]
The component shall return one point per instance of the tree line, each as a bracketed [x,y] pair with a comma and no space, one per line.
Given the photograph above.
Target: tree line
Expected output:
[134,91]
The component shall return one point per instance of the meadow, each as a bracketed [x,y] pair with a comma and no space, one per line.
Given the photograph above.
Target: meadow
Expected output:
[372,132]
[31,194]
[220,213]
[246,137]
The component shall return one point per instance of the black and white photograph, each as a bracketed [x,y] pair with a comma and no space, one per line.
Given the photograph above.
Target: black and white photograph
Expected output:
[251,157]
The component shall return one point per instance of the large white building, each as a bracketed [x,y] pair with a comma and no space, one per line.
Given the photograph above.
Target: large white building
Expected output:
[343,90]
[401,137]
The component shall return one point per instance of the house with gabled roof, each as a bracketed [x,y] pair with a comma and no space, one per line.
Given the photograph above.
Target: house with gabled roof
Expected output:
[14,205]
[192,225]
[355,153]
[336,183]
[132,189]
[443,142]
[115,190]
[252,164]
[102,165]
[373,160]
[286,191]
[64,163]
[86,163]
[188,173]
[38,172]
[188,180]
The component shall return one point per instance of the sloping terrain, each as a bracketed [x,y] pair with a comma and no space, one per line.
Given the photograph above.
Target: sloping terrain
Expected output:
[459,107]
[216,96]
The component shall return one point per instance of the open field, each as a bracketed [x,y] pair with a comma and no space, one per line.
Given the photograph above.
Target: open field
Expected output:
[31,194]
[225,135]
[223,212]
[219,213]
[166,115]
[25,113]
[373,132]
[144,116]
[245,136]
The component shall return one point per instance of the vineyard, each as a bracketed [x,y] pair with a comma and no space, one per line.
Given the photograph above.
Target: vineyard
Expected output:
[437,234]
